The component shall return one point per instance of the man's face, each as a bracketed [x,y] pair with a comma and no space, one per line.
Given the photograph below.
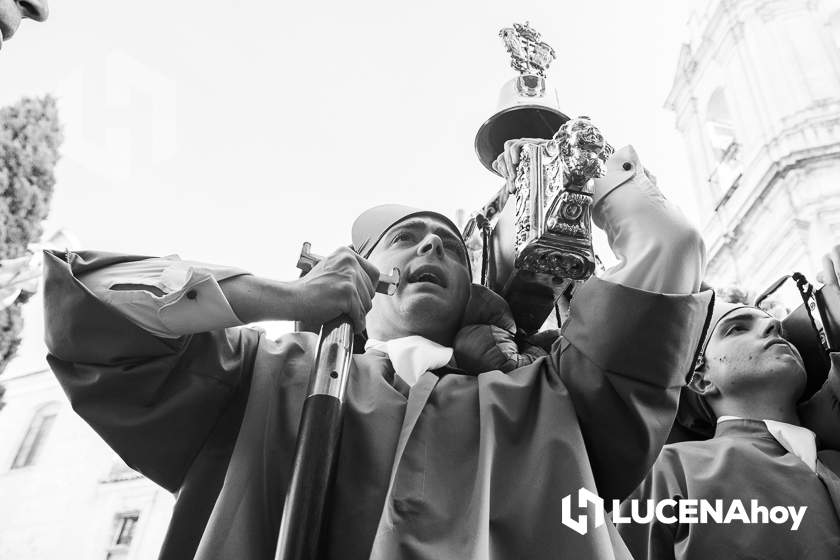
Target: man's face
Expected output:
[747,355]
[13,11]
[434,281]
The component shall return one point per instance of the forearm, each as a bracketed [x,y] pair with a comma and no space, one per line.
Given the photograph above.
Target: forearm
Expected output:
[658,250]
[253,298]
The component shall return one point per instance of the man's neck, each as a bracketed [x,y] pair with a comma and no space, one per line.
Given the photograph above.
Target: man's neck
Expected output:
[444,339]
[779,412]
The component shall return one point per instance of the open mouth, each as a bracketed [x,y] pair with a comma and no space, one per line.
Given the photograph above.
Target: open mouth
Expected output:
[427,274]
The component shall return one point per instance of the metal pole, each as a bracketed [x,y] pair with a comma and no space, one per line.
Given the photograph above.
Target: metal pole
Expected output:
[320,428]
[317,444]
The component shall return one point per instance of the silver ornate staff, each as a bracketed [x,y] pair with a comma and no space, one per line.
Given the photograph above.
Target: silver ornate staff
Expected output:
[537,240]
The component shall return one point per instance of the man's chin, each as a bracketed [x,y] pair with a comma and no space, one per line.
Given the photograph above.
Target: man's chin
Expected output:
[427,310]
[796,357]
[426,304]
[796,369]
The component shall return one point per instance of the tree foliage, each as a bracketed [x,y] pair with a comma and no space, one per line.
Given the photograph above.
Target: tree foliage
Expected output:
[30,136]
[733,294]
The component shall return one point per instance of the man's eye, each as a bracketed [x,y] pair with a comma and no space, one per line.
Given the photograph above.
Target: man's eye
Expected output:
[402,236]
[733,329]
[454,247]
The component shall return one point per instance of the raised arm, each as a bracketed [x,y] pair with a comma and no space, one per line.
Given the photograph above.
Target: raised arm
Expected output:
[658,249]
[170,297]
[632,334]
[141,345]
[132,386]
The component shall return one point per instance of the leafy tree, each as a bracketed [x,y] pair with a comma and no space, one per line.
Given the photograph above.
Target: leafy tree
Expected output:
[30,136]
[733,294]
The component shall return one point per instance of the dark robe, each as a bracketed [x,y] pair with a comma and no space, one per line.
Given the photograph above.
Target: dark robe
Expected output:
[458,466]
[742,461]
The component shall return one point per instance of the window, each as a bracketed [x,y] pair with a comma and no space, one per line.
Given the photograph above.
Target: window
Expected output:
[120,471]
[720,126]
[35,436]
[721,135]
[123,533]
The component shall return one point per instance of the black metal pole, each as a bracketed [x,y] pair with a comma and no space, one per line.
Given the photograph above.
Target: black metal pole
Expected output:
[317,444]
[320,429]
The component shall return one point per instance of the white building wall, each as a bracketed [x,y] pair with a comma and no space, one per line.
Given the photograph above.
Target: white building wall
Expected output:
[62,506]
[773,208]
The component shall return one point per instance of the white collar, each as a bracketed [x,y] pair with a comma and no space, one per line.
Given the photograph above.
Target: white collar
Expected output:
[800,441]
[412,356]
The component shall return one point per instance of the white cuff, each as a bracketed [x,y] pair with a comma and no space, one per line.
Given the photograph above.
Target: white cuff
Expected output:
[198,306]
[657,248]
[167,296]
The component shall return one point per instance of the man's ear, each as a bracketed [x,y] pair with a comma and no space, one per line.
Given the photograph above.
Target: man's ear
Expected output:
[699,382]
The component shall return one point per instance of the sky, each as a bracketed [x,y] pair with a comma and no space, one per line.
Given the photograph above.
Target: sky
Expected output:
[231,132]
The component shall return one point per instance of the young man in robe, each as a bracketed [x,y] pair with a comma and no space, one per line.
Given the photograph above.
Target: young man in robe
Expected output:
[746,384]
[435,461]
[13,11]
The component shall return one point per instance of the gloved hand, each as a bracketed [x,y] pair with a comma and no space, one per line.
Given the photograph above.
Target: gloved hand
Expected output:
[487,339]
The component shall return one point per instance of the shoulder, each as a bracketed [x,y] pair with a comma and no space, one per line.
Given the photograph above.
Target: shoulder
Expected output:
[686,455]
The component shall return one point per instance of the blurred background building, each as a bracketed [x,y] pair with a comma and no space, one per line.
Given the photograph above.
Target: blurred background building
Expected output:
[757,100]
[65,494]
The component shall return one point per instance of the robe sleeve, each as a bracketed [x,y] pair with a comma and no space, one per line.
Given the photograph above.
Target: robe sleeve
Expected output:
[654,540]
[167,296]
[657,249]
[821,413]
[623,356]
[154,400]
[633,334]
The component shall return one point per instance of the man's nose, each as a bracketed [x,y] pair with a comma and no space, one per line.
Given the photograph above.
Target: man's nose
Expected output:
[38,10]
[773,327]
[432,244]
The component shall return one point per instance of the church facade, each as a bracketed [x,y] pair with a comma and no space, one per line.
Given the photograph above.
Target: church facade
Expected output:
[757,100]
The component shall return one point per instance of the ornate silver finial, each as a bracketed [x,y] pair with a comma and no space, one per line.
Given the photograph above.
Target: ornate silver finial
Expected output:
[528,54]
[583,149]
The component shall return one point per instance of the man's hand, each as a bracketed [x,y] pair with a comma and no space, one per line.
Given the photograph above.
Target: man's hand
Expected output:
[342,283]
[830,275]
[508,160]
[487,339]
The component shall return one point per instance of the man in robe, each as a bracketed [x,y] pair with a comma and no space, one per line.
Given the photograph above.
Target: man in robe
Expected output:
[435,461]
[13,11]
[747,384]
